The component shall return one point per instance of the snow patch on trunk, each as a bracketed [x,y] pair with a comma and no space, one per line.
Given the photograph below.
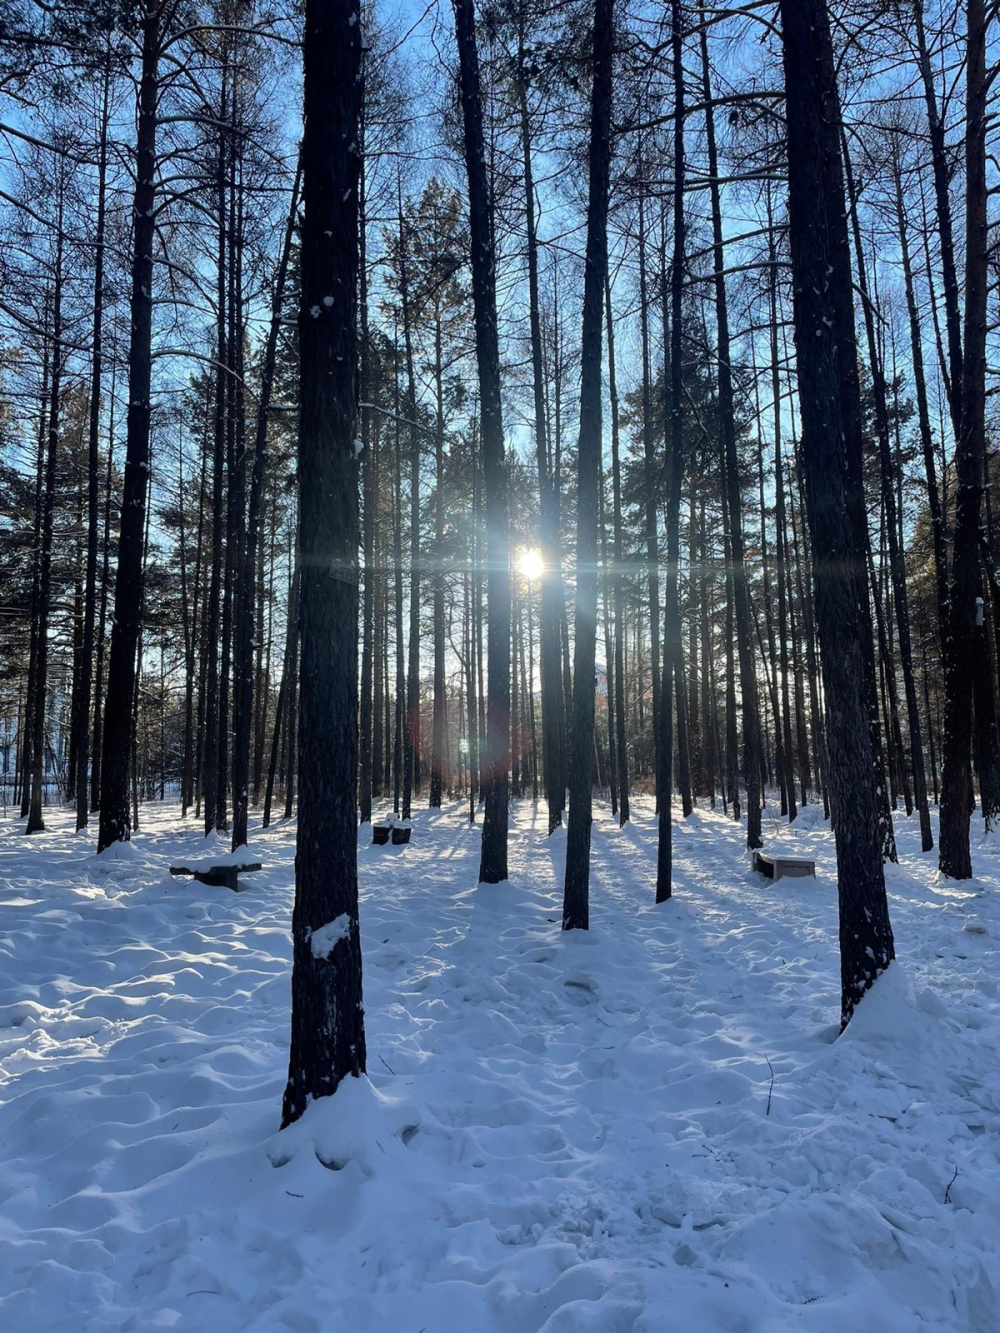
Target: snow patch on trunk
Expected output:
[323,940]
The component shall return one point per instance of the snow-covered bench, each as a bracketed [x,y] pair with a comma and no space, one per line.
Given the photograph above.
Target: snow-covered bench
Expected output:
[391,828]
[781,867]
[219,874]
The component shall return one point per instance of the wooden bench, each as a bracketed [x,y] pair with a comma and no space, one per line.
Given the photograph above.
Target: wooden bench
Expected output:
[782,867]
[220,875]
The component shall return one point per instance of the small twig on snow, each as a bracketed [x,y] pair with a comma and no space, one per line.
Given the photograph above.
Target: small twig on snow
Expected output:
[771,1088]
[947,1193]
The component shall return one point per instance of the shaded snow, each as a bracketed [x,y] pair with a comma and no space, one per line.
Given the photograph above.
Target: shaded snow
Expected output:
[559,1133]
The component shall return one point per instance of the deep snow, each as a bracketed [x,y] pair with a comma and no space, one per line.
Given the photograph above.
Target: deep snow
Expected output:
[645,1128]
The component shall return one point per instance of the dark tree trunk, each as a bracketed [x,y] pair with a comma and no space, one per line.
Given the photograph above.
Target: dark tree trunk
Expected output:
[831,425]
[609,674]
[97,746]
[671,611]
[85,683]
[781,532]
[493,859]
[553,766]
[411,733]
[379,622]
[264,597]
[365,736]
[230,686]
[965,640]
[896,557]
[920,389]
[126,622]
[651,492]
[193,634]
[397,561]
[621,736]
[212,740]
[731,489]
[189,631]
[801,737]
[246,583]
[515,777]
[803,588]
[281,710]
[471,717]
[942,171]
[438,717]
[293,718]
[328,1034]
[28,730]
[780,760]
[531,700]
[707,731]
[576,890]
[36,820]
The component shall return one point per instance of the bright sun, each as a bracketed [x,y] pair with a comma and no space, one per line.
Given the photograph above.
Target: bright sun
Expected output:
[530,564]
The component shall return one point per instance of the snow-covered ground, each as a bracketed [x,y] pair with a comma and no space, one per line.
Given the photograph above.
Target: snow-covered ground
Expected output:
[647,1128]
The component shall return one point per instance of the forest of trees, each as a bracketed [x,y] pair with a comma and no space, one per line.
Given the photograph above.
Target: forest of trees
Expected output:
[583,401]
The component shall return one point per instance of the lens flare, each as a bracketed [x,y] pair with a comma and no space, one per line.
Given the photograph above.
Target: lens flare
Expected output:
[530,564]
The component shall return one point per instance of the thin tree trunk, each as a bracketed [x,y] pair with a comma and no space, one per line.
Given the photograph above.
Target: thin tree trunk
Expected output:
[27,739]
[651,491]
[438,715]
[36,820]
[896,558]
[247,584]
[942,175]
[365,735]
[85,683]
[609,675]
[397,560]
[671,613]
[553,765]
[621,735]
[920,389]
[411,735]
[212,741]
[744,632]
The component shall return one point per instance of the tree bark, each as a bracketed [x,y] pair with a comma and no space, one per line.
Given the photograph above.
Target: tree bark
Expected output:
[671,611]
[831,415]
[366,737]
[36,820]
[93,479]
[493,859]
[621,734]
[328,1033]
[731,486]
[896,557]
[247,582]
[576,889]
[114,822]
[964,633]
[553,766]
